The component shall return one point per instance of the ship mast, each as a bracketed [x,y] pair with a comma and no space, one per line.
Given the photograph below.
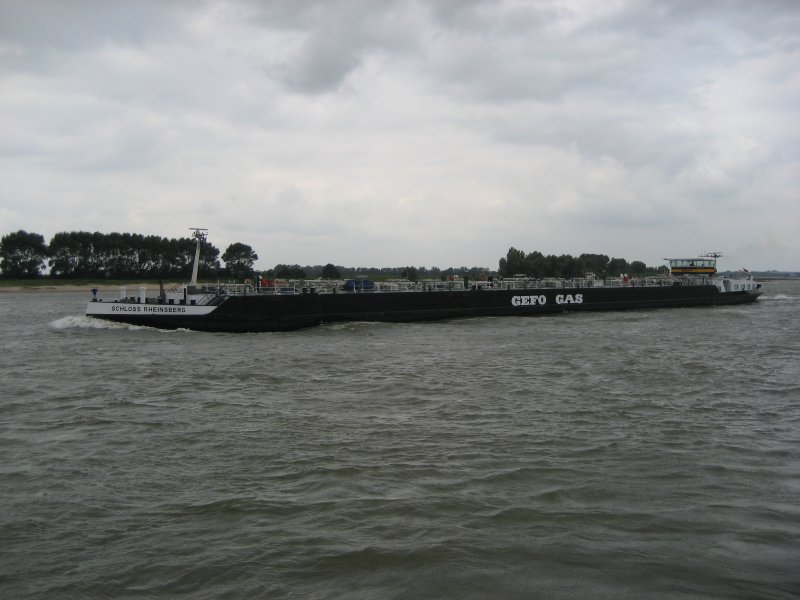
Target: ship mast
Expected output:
[200,235]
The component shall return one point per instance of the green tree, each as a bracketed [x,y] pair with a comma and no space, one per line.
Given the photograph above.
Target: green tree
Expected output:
[618,266]
[410,273]
[289,272]
[594,263]
[239,259]
[513,263]
[71,254]
[22,254]
[536,265]
[119,254]
[638,267]
[330,271]
[565,266]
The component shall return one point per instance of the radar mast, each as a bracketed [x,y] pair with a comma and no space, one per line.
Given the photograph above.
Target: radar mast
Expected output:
[200,235]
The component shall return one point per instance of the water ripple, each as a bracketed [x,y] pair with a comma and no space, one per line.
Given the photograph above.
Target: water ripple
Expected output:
[645,454]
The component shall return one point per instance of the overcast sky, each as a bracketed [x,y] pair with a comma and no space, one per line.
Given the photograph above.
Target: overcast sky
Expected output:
[409,133]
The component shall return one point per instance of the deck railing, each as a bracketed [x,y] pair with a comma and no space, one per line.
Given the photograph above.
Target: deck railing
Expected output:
[319,286]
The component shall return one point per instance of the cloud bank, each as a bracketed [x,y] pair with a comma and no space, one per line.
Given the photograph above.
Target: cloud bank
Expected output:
[393,133]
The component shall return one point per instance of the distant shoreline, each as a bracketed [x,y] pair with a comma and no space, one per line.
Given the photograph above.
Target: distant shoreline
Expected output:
[38,289]
[103,288]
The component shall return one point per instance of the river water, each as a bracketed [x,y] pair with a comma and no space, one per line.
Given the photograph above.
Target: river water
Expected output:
[647,454]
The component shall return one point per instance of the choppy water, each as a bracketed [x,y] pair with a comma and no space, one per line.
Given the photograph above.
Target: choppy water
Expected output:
[622,455]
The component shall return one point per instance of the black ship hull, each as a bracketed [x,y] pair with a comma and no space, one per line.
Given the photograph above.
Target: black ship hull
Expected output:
[276,312]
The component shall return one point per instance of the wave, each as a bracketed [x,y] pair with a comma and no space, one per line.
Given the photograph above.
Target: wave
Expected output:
[84,322]
[782,297]
[353,325]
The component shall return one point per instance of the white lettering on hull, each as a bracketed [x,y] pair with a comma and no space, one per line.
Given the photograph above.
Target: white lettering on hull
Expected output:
[528,300]
[569,299]
[541,300]
[102,309]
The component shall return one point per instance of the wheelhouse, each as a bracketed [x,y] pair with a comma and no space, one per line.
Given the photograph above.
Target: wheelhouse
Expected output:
[692,266]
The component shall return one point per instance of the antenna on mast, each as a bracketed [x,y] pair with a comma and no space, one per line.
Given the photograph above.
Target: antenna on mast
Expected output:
[198,232]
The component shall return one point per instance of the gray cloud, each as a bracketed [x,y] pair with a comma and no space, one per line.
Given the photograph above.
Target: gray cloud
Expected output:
[441,133]
[36,35]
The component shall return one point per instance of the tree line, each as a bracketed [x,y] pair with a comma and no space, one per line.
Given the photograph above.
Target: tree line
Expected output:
[536,264]
[331,271]
[516,262]
[80,254]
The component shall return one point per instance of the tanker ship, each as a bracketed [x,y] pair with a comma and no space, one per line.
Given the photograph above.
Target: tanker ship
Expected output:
[271,305]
